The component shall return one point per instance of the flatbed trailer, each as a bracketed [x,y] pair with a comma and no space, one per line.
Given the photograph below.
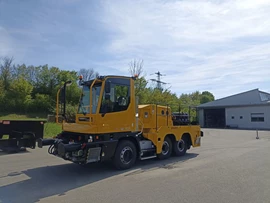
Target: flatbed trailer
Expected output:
[21,134]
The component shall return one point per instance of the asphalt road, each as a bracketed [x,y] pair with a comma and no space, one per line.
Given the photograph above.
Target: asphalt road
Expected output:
[230,166]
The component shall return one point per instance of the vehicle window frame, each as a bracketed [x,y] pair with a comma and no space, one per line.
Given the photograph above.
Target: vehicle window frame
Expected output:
[109,103]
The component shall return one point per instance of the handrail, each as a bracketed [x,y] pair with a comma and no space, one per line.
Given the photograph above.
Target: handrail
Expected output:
[57,105]
[90,110]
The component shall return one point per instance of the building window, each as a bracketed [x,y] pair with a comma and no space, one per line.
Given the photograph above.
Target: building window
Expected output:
[232,117]
[241,117]
[257,117]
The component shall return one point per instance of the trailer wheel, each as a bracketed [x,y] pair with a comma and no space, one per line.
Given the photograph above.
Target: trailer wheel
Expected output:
[166,149]
[180,146]
[125,155]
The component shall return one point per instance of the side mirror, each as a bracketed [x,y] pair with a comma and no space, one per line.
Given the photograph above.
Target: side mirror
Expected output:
[108,87]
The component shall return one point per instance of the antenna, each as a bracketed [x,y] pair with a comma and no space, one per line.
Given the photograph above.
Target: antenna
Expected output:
[158,81]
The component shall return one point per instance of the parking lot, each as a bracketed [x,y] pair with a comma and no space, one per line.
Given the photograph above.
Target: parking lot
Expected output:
[230,166]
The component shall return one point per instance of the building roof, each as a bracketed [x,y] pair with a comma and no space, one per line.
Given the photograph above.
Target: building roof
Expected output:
[252,97]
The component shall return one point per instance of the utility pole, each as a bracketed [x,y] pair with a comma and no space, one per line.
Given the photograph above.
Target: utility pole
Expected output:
[158,80]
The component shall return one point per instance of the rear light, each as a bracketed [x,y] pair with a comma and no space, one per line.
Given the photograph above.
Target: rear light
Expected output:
[6,122]
[83,145]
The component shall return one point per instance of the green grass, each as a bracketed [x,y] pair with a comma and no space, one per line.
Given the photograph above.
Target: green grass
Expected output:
[23,117]
[50,129]
[5,137]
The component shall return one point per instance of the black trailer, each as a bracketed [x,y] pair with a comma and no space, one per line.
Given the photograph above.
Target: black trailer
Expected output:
[21,134]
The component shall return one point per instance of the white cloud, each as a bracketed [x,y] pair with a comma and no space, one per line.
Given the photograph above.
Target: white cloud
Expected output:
[173,23]
[249,4]
[234,72]
[221,46]
[218,45]
[12,47]
[5,43]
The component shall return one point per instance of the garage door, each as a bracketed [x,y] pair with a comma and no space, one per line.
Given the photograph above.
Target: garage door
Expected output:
[214,118]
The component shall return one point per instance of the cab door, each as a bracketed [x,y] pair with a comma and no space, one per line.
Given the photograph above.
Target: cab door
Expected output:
[117,108]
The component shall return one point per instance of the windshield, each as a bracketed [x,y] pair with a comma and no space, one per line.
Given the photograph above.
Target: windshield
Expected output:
[84,106]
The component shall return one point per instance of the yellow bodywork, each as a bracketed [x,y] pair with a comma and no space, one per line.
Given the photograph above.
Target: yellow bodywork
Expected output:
[114,122]
[154,121]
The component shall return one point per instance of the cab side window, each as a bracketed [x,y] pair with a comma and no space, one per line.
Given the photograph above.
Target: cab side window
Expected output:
[118,98]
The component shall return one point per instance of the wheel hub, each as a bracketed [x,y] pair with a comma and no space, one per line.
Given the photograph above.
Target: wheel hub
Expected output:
[165,148]
[126,155]
[181,145]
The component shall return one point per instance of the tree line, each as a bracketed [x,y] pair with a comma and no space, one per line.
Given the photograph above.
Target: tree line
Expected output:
[32,89]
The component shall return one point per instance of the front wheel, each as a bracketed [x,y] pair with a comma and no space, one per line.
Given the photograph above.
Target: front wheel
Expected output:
[125,155]
[166,149]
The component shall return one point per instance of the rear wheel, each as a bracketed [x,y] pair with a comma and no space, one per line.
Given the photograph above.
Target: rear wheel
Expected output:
[125,155]
[166,149]
[180,147]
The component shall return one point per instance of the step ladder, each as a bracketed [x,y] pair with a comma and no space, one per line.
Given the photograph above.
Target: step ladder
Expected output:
[151,152]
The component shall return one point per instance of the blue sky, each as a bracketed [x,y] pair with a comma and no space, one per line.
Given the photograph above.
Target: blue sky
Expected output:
[219,46]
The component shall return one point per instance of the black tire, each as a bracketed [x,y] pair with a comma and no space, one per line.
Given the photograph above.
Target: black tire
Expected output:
[125,155]
[180,146]
[166,149]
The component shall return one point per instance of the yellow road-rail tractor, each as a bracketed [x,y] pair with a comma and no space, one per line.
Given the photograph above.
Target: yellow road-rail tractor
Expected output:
[110,125]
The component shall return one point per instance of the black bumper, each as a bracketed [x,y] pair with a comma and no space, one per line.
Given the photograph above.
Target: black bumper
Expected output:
[106,152]
[65,148]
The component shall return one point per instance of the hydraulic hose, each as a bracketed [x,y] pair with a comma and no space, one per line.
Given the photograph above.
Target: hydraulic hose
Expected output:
[51,149]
